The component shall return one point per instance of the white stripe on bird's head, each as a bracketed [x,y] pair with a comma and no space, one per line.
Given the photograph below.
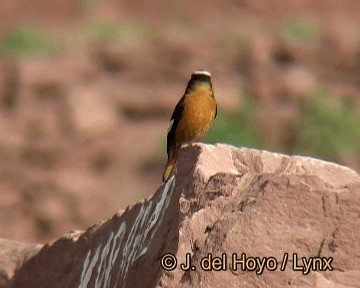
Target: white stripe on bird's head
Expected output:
[202,72]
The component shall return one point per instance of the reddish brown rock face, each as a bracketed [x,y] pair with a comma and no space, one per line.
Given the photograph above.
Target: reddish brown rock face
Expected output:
[262,205]
[12,255]
[251,218]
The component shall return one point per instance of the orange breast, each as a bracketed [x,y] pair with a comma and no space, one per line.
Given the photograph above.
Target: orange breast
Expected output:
[197,117]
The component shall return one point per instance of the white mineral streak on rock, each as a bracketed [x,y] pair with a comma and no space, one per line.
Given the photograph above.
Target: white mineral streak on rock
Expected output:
[135,246]
[113,255]
[88,268]
[106,261]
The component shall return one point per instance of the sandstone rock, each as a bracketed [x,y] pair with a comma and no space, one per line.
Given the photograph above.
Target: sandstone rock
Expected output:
[262,71]
[9,84]
[277,124]
[111,254]
[265,205]
[341,42]
[221,199]
[12,255]
[92,113]
[42,75]
[298,82]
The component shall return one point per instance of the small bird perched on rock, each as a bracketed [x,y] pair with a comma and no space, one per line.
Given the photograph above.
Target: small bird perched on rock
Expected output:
[192,117]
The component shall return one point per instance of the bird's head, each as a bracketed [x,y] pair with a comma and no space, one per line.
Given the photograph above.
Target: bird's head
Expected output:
[199,78]
[201,74]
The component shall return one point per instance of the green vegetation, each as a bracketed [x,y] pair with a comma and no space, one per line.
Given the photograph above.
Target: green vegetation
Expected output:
[29,41]
[330,129]
[35,41]
[89,3]
[235,129]
[126,32]
[301,30]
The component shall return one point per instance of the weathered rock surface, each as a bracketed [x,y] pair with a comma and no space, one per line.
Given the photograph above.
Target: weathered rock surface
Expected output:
[265,205]
[222,199]
[12,255]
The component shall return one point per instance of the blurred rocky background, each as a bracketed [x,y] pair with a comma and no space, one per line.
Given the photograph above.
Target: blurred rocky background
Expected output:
[87,88]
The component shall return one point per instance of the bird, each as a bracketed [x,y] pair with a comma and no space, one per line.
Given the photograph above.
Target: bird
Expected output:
[192,117]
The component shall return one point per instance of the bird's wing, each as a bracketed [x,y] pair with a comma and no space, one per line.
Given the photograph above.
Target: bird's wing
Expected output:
[174,122]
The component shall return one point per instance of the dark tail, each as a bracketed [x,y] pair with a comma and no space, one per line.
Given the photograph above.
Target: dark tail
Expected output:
[170,165]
